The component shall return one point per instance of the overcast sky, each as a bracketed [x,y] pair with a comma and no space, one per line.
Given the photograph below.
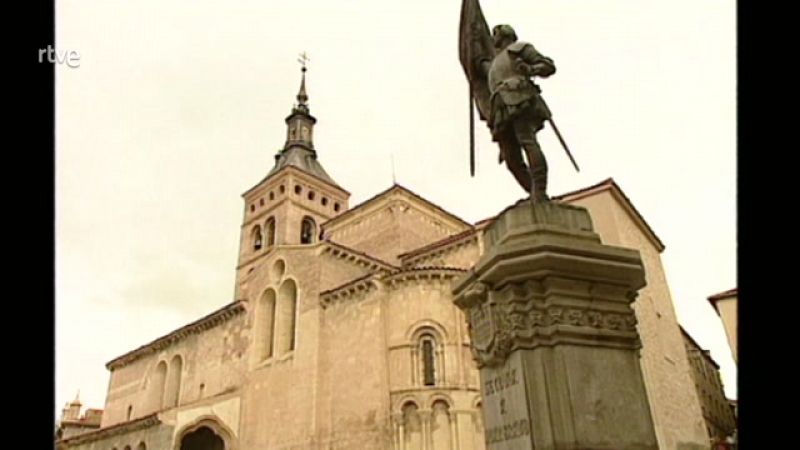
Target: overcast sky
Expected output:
[178,107]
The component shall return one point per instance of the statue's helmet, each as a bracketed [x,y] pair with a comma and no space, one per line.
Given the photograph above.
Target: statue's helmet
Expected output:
[506,32]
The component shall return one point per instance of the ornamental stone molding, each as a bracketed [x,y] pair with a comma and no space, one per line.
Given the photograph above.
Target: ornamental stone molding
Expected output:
[546,279]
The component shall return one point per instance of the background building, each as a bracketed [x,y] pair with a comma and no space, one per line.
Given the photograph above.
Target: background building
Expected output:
[73,424]
[343,333]
[726,305]
[717,410]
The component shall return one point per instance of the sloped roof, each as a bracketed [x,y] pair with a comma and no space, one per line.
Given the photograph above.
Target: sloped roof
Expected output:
[706,354]
[304,159]
[359,254]
[453,238]
[213,319]
[393,188]
[611,185]
[289,167]
[722,296]
[606,184]
[113,430]
[725,294]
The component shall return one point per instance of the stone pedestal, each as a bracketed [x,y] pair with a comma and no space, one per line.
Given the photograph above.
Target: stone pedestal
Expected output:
[554,334]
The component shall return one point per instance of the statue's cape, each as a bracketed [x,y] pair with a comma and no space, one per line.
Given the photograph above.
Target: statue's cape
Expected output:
[475,45]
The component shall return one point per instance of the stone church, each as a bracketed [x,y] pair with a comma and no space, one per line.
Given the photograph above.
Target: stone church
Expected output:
[343,333]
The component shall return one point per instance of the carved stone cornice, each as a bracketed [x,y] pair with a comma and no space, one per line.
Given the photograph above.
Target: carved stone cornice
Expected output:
[354,256]
[439,248]
[546,279]
[405,275]
[210,321]
[522,315]
[358,286]
[394,279]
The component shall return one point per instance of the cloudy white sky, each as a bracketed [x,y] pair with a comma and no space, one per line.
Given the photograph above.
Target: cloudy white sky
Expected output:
[178,106]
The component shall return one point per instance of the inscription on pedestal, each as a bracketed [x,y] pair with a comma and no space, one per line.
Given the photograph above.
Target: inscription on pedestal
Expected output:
[505,404]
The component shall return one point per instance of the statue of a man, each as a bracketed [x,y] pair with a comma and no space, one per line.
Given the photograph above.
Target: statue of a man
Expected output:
[517,111]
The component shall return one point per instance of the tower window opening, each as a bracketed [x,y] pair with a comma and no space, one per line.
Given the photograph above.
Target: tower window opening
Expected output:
[261,202]
[308,230]
[324,201]
[269,228]
[272,196]
[282,189]
[252,208]
[298,189]
[336,207]
[258,239]
[311,195]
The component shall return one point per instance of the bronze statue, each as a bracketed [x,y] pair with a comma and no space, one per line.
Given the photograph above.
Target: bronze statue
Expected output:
[499,69]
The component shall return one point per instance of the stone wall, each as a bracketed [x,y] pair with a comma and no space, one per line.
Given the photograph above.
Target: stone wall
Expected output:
[673,401]
[213,361]
[461,254]
[154,437]
[717,412]
[394,224]
[445,414]
[353,378]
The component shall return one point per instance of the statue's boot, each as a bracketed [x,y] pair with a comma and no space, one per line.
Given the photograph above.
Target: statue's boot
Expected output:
[516,165]
[539,175]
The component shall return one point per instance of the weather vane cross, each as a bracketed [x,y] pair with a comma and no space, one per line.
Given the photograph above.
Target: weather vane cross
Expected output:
[303,59]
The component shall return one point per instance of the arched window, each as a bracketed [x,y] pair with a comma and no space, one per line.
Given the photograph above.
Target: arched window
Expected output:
[257,238]
[266,325]
[269,230]
[426,342]
[173,382]
[287,310]
[141,446]
[427,351]
[156,389]
[308,231]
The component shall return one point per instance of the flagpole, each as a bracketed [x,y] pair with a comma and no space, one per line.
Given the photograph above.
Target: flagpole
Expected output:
[471,134]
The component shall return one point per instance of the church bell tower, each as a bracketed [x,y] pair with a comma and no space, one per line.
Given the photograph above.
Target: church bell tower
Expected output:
[297,195]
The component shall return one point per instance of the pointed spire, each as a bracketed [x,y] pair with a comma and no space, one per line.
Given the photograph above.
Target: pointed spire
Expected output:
[77,400]
[302,96]
[298,150]
[300,122]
